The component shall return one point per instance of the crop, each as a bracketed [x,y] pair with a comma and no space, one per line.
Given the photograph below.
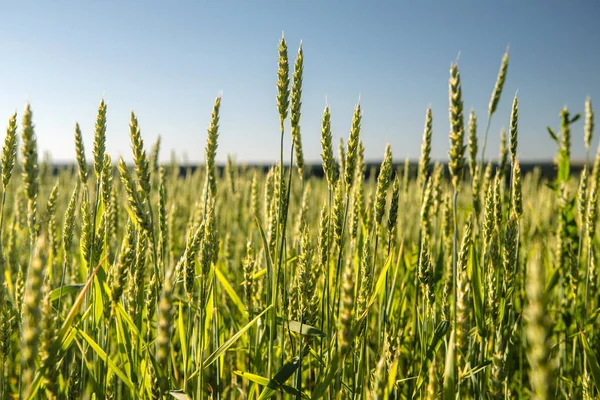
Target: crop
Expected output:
[465,280]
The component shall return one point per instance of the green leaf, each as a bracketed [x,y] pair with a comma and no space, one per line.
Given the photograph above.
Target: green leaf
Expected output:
[554,277]
[575,118]
[232,339]
[66,290]
[261,380]
[182,334]
[478,305]
[324,384]
[106,359]
[286,371]
[449,378]
[269,261]
[179,395]
[230,291]
[436,340]
[552,134]
[259,274]
[127,318]
[378,287]
[98,302]
[303,329]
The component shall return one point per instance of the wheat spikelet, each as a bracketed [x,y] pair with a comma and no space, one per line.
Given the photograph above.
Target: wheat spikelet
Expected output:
[296,103]
[211,148]
[497,92]
[425,148]
[100,139]
[9,151]
[589,123]
[514,129]
[457,129]
[329,167]
[472,143]
[351,153]
[283,82]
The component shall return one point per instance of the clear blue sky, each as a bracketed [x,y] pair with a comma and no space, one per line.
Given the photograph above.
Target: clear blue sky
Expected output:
[167,60]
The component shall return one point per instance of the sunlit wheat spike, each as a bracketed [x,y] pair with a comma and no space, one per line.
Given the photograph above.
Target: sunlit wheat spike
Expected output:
[30,156]
[107,180]
[154,154]
[211,148]
[9,151]
[142,165]
[351,153]
[582,195]
[100,139]
[425,147]
[80,155]
[457,128]
[592,211]
[503,155]
[338,211]
[383,184]
[133,199]
[69,223]
[565,132]
[162,213]
[514,129]
[341,159]
[283,82]
[52,227]
[248,265]
[393,213]
[194,241]
[329,167]
[472,143]
[296,103]
[497,92]
[517,191]
[589,123]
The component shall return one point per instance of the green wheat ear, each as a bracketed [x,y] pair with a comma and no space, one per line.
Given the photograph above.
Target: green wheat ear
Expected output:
[296,103]
[425,159]
[497,92]
[80,155]
[142,165]
[30,156]
[383,184]
[472,143]
[211,148]
[283,82]
[9,151]
[589,123]
[457,128]
[100,139]
[329,167]
[351,153]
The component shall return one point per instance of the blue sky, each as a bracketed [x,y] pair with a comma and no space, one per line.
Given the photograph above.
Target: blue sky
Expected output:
[168,60]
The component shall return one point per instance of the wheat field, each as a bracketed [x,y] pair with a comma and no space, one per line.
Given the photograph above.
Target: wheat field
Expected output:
[463,279]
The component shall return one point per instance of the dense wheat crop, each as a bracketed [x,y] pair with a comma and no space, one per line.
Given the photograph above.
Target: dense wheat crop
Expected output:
[458,280]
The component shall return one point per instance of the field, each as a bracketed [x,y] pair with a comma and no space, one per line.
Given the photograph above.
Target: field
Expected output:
[458,280]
